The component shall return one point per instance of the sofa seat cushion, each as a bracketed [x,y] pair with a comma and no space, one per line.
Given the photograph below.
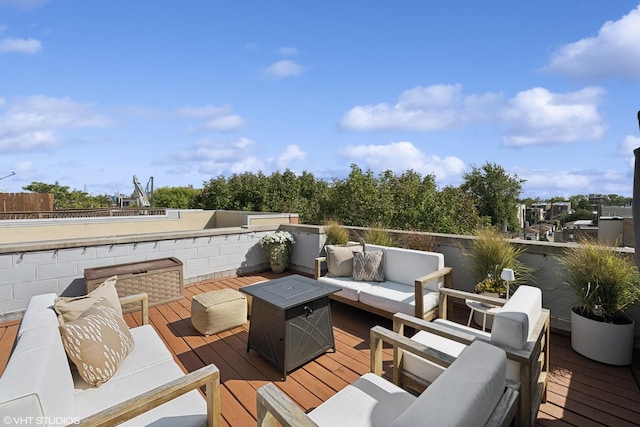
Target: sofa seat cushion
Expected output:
[368,401]
[465,394]
[186,410]
[395,297]
[149,350]
[97,342]
[39,312]
[37,381]
[349,288]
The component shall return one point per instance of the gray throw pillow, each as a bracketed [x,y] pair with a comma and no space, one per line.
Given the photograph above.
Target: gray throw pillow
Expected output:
[368,266]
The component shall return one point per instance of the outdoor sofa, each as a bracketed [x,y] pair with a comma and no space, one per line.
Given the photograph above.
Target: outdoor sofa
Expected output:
[406,281]
[41,387]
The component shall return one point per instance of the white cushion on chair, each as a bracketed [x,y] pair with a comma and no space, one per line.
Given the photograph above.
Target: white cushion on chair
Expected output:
[513,325]
[423,368]
[369,401]
[465,394]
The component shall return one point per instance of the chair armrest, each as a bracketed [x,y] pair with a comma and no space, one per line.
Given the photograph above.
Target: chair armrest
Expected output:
[507,407]
[401,343]
[400,320]
[208,376]
[273,405]
[143,298]
[317,271]
[447,293]
[446,272]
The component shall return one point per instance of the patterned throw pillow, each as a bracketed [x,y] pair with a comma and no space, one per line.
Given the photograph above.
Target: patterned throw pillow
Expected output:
[340,259]
[368,266]
[97,342]
[69,308]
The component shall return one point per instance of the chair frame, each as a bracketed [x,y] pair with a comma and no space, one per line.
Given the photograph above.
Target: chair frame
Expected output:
[207,376]
[533,358]
[274,407]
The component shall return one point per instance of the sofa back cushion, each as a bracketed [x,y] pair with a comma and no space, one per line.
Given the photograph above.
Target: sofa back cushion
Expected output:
[406,265]
[39,312]
[513,325]
[465,394]
[37,380]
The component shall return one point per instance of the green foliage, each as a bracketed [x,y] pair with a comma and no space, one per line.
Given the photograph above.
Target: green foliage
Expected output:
[604,280]
[495,192]
[174,197]
[490,253]
[277,245]
[63,198]
[336,233]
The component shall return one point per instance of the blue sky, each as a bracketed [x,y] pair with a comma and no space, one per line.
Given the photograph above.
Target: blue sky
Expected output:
[94,92]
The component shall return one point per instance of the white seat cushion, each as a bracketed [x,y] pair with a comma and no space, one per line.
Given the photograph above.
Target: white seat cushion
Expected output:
[367,402]
[189,409]
[396,298]
[423,368]
[149,350]
[350,288]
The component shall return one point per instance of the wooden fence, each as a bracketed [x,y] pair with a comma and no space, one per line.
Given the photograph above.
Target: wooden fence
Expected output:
[26,202]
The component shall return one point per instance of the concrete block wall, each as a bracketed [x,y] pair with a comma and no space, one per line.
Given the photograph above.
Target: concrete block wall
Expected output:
[25,273]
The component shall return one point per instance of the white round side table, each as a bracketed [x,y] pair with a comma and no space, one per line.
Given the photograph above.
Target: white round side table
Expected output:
[481,308]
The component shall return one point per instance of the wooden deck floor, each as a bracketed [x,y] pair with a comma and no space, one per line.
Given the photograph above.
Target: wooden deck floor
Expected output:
[581,392]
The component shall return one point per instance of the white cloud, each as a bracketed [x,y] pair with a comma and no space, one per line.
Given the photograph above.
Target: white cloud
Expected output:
[422,108]
[286,50]
[290,154]
[564,183]
[13,45]
[217,118]
[401,156]
[537,116]
[35,122]
[614,52]
[282,69]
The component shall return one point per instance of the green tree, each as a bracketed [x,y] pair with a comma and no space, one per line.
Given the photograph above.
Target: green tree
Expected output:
[175,197]
[63,198]
[495,193]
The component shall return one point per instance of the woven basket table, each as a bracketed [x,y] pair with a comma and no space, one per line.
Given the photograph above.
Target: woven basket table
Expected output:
[217,311]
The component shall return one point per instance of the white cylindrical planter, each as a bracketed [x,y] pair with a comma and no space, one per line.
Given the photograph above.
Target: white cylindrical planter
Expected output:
[601,341]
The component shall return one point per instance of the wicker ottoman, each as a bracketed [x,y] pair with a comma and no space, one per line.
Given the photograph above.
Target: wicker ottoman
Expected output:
[217,311]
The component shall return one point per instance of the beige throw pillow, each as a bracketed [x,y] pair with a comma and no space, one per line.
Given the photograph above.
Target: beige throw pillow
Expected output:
[368,266]
[97,342]
[69,308]
[340,259]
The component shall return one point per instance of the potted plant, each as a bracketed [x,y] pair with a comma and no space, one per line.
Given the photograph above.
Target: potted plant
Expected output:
[605,283]
[490,252]
[277,246]
[336,233]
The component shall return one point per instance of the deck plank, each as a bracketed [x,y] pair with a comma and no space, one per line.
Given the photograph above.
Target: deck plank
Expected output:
[581,392]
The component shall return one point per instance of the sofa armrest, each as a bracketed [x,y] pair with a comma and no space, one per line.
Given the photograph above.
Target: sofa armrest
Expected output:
[208,376]
[273,405]
[143,298]
[317,271]
[446,272]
